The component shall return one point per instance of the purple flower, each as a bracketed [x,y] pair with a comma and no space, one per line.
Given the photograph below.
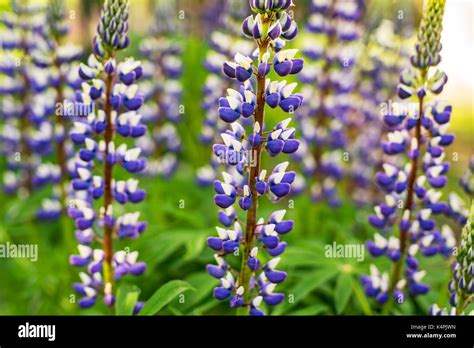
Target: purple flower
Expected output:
[326,117]
[461,285]
[162,90]
[34,31]
[223,45]
[244,181]
[99,137]
[415,169]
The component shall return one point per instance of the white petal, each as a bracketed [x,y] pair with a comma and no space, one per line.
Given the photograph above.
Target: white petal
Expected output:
[273,262]
[222,233]
[279,215]
[254,252]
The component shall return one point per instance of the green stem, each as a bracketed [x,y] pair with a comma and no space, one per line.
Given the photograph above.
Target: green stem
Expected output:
[461,303]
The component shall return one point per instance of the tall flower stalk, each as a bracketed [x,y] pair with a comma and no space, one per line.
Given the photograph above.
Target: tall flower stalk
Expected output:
[60,60]
[111,88]
[380,65]
[224,44]
[410,181]
[332,49]
[254,283]
[457,208]
[467,179]
[26,104]
[162,90]
[461,286]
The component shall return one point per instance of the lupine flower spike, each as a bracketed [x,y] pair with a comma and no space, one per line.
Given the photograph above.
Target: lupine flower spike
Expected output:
[467,179]
[258,241]
[224,44]
[26,133]
[461,286]
[380,65]
[412,179]
[60,60]
[457,207]
[112,88]
[162,90]
[332,48]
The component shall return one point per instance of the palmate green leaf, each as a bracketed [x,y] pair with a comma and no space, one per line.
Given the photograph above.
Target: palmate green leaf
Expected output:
[164,295]
[127,297]
[304,287]
[343,291]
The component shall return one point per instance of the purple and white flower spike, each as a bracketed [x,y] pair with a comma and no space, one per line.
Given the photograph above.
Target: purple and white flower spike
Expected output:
[417,170]
[224,44]
[467,179]
[26,103]
[60,60]
[258,274]
[332,48]
[111,88]
[461,286]
[162,89]
[380,66]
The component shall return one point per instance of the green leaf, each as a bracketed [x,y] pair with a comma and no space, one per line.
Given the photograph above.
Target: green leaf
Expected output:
[205,307]
[203,285]
[304,287]
[174,311]
[311,310]
[342,294]
[193,220]
[127,297]
[194,246]
[158,248]
[164,295]
[307,257]
[361,297]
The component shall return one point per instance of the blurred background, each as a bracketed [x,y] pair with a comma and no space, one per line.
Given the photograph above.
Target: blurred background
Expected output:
[181,213]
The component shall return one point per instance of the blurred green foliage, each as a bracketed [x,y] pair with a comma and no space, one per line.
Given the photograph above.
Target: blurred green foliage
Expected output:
[180,216]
